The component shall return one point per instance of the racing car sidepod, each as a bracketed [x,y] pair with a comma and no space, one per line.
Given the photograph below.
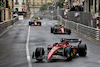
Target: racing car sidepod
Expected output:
[52,52]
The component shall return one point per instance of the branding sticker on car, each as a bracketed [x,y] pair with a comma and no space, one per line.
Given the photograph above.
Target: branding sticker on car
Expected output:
[74,51]
[52,50]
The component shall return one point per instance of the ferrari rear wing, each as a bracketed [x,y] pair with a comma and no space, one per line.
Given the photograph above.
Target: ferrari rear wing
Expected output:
[71,40]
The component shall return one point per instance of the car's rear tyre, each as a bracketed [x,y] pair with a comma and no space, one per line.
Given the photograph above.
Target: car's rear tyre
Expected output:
[39,23]
[39,52]
[33,55]
[68,52]
[69,31]
[82,49]
[51,30]
[55,30]
[30,23]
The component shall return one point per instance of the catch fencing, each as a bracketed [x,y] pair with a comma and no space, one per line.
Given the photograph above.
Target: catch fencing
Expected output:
[86,30]
[5,24]
[85,18]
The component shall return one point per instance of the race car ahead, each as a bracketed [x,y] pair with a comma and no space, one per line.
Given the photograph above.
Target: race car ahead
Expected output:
[67,49]
[34,23]
[38,18]
[60,29]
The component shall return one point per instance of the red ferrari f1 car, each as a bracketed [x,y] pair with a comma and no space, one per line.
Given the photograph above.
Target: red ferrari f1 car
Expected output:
[66,49]
[60,29]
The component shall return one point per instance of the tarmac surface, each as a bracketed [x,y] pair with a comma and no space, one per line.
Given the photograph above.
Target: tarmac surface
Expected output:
[18,43]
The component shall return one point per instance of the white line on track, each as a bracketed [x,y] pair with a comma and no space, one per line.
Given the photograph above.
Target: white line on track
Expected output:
[27,49]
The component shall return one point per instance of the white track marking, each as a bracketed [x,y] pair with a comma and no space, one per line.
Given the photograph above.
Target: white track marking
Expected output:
[27,49]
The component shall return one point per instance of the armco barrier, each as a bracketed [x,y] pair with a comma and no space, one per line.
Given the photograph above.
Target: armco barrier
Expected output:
[86,30]
[99,34]
[5,24]
[72,25]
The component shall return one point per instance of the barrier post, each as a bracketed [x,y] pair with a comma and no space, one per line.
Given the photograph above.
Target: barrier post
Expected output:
[97,21]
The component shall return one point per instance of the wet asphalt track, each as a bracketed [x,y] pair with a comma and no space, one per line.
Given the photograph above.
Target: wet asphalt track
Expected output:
[13,46]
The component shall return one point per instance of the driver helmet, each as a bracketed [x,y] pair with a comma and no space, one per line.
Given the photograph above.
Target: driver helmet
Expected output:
[60,25]
[34,19]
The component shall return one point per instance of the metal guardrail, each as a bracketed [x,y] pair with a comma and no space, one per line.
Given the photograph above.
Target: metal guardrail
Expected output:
[86,30]
[5,24]
[99,34]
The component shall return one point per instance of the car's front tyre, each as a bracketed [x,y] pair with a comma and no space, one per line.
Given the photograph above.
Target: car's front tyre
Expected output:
[30,23]
[51,30]
[39,53]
